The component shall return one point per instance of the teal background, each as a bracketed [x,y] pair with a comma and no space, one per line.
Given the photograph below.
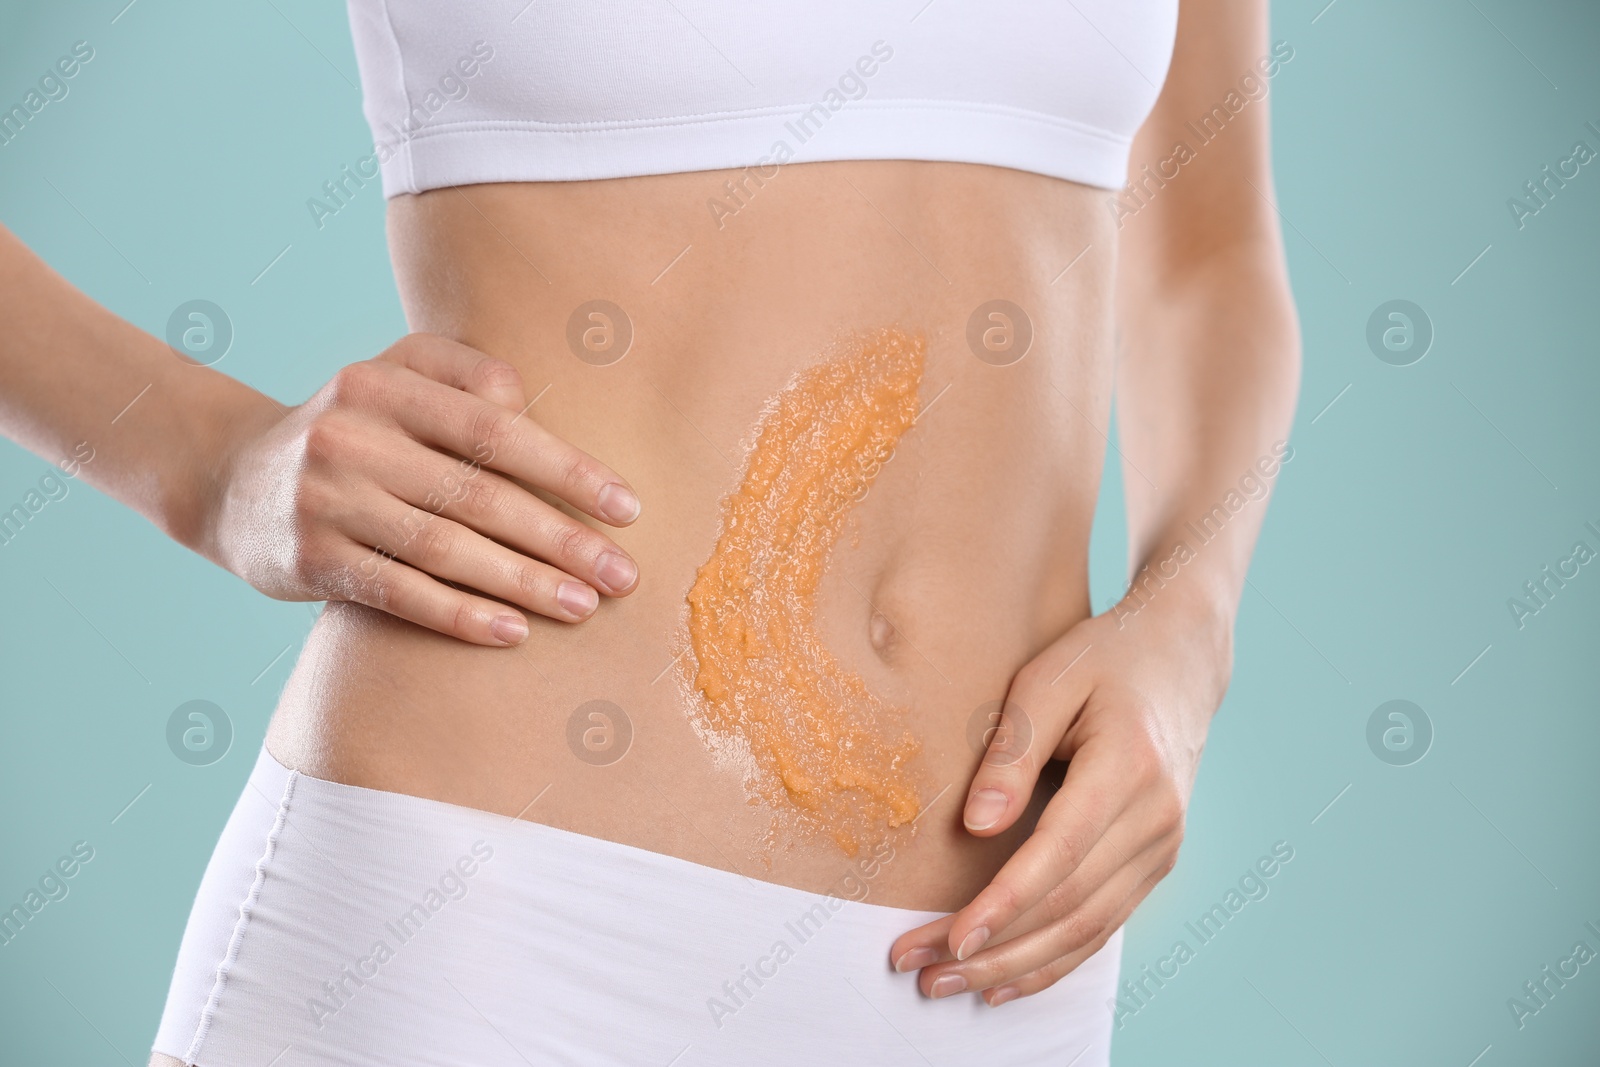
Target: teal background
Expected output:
[1415,905]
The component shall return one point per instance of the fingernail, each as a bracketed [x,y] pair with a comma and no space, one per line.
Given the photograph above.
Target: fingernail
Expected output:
[984,809]
[615,571]
[617,502]
[915,959]
[577,598]
[947,985]
[509,629]
[972,942]
[1003,994]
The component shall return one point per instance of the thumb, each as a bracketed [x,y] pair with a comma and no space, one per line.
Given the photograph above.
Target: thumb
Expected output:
[1030,728]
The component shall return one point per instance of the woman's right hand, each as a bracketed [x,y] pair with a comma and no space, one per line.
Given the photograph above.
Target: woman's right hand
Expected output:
[393,484]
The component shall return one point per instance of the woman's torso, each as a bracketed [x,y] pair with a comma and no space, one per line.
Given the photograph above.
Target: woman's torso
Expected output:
[965,559]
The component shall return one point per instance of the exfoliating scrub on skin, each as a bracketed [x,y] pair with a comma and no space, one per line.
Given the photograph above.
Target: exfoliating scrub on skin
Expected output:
[824,751]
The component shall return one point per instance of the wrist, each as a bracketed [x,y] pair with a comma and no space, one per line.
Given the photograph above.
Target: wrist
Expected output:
[1176,587]
[1189,612]
[226,416]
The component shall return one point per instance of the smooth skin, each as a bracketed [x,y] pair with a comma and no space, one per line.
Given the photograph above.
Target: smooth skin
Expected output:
[1206,384]
[297,501]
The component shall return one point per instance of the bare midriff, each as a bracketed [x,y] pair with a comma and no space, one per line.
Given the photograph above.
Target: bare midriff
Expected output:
[856,527]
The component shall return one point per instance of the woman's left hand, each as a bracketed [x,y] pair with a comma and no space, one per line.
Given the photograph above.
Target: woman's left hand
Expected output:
[1126,697]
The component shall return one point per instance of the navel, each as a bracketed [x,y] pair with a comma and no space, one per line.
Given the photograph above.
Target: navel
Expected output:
[880,632]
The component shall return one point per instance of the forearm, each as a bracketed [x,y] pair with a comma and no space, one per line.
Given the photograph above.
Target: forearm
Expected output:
[1206,387]
[78,382]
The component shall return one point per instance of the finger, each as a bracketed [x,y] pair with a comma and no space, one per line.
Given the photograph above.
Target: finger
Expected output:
[460,367]
[1039,980]
[368,577]
[1051,936]
[930,943]
[1094,793]
[1143,835]
[481,431]
[499,508]
[446,549]
[1016,752]
[506,441]
[1033,721]
[922,947]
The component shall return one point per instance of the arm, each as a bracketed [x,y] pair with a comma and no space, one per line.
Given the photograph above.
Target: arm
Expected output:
[1206,389]
[1210,366]
[395,475]
[69,368]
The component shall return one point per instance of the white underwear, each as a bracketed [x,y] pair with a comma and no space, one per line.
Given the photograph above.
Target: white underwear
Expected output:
[345,926]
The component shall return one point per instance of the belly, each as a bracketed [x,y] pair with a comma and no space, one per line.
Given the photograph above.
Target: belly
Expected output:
[862,404]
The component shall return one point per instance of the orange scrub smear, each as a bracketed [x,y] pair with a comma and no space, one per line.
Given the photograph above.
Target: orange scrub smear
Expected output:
[817,737]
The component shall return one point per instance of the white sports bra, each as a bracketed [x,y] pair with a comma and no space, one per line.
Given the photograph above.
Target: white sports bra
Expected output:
[559,90]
